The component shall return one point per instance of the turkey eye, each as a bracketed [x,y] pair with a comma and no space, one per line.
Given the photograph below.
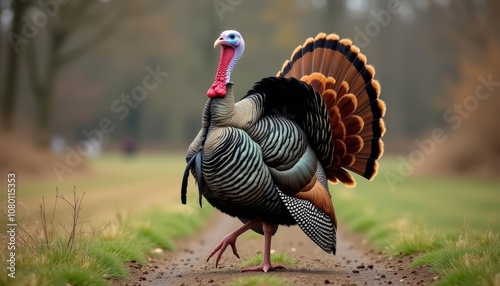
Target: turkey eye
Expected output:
[231,36]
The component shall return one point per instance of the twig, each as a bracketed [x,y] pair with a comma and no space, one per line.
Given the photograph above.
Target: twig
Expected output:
[54,212]
[43,219]
[21,228]
[96,236]
[25,232]
[76,206]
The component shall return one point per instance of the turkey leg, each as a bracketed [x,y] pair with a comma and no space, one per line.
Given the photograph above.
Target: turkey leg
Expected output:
[230,239]
[266,262]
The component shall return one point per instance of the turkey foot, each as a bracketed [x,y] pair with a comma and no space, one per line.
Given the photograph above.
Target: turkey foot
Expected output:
[230,239]
[266,262]
[265,267]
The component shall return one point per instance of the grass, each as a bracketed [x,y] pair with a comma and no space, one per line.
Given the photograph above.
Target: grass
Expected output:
[267,279]
[276,258]
[88,258]
[132,184]
[465,259]
[61,247]
[452,223]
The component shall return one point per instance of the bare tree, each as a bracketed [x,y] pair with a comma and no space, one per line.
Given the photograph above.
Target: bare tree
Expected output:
[49,35]
[11,69]
[93,20]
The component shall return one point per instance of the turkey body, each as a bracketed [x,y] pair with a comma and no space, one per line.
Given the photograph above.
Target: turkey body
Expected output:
[256,161]
[237,168]
[267,158]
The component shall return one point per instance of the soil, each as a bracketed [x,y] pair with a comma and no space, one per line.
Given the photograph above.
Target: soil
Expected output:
[355,263]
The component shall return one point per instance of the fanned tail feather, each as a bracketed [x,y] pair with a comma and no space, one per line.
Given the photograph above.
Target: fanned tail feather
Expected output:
[337,70]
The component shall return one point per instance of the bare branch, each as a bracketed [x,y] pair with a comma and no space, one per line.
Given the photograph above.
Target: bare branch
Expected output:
[54,211]
[63,227]
[26,233]
[97,39]
[43,219]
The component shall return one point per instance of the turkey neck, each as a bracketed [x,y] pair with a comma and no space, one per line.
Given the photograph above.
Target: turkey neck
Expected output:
[222,108]
[224,112]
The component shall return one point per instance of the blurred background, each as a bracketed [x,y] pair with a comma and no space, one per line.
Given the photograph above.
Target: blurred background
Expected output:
[83,78]
[100,99]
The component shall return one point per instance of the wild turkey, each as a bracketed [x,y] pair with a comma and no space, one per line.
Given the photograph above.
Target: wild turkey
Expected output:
[267,158]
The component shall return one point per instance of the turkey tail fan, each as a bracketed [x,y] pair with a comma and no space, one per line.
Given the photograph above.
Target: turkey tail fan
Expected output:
[337,70]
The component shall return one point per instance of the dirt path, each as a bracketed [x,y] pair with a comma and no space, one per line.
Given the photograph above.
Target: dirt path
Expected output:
[354,264]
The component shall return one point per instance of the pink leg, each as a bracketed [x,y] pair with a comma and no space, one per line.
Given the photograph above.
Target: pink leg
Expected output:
[266,262]
[230,239]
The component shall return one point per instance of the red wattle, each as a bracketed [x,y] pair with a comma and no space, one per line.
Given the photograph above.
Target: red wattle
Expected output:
[218,88]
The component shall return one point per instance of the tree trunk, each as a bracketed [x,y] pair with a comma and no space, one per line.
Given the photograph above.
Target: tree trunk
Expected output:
[44,107]
[44,97]
[9,98]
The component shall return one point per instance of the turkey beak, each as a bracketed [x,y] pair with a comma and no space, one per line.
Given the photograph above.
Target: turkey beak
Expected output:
[219,42]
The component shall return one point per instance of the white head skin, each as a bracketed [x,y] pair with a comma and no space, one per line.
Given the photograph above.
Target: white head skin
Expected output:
[232,47]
